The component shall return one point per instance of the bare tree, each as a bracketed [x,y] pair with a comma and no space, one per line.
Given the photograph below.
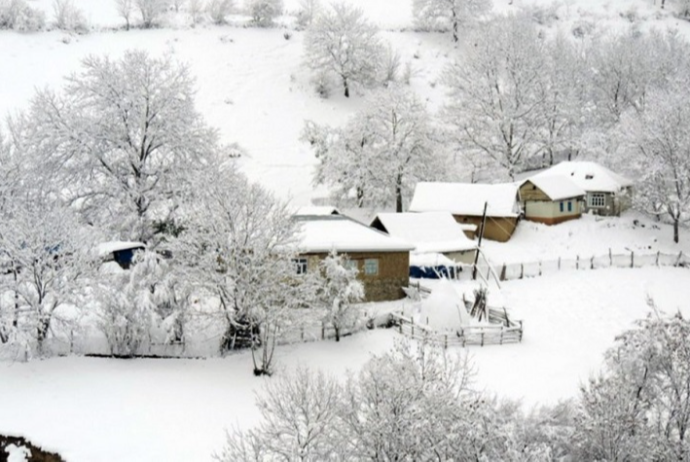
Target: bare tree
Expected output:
[443,15]
[124,9]
[218,10]
[151,11]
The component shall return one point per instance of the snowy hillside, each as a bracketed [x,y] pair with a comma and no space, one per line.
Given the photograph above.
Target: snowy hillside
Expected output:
[252,84]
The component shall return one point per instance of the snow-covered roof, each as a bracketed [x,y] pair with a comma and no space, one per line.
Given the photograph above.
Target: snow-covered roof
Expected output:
[317,210]
[327,232]
[466,199]
[429,231]
[589,176]
[430,259]
[114,246]
[557,187]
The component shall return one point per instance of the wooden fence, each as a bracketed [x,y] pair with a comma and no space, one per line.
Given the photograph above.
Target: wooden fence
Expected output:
[503,331]
[511,271]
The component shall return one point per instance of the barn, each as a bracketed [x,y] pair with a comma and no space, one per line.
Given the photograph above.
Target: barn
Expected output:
[607,193]
[551,199]
[383,261]
[465,201]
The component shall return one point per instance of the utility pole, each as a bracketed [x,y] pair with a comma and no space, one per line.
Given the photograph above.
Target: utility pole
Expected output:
[479,243]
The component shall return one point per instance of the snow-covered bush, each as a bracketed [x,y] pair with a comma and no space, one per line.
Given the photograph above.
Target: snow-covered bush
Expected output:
[445,15]
[339,290]
[196,11]
[218,10]
[68,17]
[18,15]
[125,9]
[141,306]
[264,12]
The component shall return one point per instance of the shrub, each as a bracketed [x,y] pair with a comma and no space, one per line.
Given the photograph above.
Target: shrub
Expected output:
[68,17]
[18,15]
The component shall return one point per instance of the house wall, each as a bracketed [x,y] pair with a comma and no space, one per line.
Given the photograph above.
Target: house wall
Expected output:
[497,228]
[393,275]
[529,192]
[550,212]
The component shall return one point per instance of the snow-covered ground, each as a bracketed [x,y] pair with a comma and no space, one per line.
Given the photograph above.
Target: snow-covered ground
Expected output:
[94,410]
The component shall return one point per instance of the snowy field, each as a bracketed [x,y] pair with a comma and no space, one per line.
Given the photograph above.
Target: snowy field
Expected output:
[93,410]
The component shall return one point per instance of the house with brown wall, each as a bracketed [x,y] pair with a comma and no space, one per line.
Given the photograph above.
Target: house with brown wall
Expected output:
[382,261]
[551,199]
[465,201]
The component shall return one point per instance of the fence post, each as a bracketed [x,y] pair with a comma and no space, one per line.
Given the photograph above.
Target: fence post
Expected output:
[591,266]
[522,270]
[445,342]
[501,341]
[482,338]
[412,327]
[559,263]
[577,263]
[503,272]
[520,321]
[680,255]
[539,275]
[632,259]
[323,331]
[610,257]
[400,323]
[462,336]
[657,258]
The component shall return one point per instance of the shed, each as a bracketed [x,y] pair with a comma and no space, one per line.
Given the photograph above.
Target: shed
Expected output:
[382,261]
[607,193]
[430,232]
[121,252]
[465,201]
[551,199]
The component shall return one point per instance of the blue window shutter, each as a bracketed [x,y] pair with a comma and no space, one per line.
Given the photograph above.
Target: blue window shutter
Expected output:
[570,206]
[561,205]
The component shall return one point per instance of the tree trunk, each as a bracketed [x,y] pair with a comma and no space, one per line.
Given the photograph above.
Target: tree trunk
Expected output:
[398,195]
[676,224]
[346,87]
[337,333]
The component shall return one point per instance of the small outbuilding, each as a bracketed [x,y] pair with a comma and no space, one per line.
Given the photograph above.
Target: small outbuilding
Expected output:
[551,199]
[383,261]
[607,193]
[465,201]
[430,232]
[121,252]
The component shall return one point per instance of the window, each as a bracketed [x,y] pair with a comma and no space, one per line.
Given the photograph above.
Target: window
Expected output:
[300,265]
[351,264]
[561,205]
[371,266]
[570,206]
[597,200]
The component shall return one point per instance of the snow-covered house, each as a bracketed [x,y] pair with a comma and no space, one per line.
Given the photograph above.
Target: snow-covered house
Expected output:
[430,232]
[311,210]
[383,261]
[551,199]
[607,193]
[465,201]
[121,252]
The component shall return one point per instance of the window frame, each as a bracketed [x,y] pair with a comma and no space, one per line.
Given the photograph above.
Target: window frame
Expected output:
[368,268]
[597,200]
[301,265]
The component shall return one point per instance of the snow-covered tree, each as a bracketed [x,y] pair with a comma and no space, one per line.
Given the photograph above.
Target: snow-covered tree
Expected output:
[339,290]
[219,9]
[264,12]
[382,152]
[151,11]
[494,102]
[444,15]
[68,17]
[125,9]
[308,10]
[299,422]
[121,140]
[18,15]
[639,408]
[238,244]
[343,43]
[659,154]
[143,305]
[45,262]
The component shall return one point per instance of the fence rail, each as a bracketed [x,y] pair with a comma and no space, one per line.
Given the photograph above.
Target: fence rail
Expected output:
[504,331]
[521,270]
